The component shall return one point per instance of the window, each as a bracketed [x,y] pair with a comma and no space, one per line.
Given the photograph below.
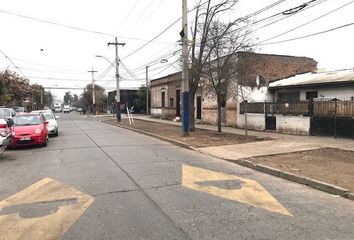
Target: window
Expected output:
[171,102]
[311,95]
[289,97]
[163,99]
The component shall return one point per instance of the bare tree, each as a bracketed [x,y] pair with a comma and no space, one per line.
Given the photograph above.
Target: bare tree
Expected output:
[226,39]
[202,48]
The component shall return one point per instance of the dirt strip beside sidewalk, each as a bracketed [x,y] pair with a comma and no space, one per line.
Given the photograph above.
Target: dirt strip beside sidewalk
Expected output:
[322,163]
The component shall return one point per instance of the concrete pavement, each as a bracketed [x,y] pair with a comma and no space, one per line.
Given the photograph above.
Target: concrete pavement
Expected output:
[144,188]
[280,143]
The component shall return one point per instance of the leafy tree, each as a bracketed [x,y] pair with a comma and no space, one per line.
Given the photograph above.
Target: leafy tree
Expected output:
[75,100]
[140,100]
[86,97]
[68,98]
[13,88]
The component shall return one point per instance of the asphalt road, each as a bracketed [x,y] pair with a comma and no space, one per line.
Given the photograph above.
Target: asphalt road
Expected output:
[97,181]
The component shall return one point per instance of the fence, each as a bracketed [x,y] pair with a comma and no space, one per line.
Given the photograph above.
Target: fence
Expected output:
[321,108]
[297,108]
[335,107]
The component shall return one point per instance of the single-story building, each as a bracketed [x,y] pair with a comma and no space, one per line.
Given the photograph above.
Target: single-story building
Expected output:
[308,104]
[166,91]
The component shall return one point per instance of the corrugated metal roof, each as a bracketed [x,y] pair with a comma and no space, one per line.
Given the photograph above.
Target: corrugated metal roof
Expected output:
[332,77]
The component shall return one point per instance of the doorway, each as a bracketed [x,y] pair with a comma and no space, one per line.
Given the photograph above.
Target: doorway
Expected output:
[178,103]
[199,107]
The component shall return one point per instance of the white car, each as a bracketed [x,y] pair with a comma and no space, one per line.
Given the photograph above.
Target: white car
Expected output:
[5,134]
[66,109]
[52,126]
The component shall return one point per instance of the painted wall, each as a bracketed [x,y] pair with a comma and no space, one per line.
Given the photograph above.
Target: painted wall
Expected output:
[255,121]
[333,92]
[298,125]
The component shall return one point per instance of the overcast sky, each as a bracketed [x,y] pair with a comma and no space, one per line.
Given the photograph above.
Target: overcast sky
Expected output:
[58,56]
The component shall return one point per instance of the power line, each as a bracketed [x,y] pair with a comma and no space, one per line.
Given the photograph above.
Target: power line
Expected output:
[149,4]
[170,65]
[75,28]
[56,24]
[159,34]
[130,11]
[304,24]
[8,58]
[309,35]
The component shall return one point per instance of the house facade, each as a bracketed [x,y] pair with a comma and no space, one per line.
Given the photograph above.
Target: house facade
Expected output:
[306,104]
[166,91]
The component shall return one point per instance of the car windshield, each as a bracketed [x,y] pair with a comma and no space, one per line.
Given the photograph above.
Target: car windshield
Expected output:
[4,113]
[47,114]
[27,120]
[19,109]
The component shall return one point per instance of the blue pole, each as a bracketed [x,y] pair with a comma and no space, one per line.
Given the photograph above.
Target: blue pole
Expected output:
[185,117]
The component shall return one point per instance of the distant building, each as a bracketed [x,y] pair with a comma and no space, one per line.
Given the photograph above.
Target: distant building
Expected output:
[127,98]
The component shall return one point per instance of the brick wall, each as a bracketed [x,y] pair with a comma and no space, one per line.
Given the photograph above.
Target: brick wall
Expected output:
[270,67]
[168,84]
[249,66]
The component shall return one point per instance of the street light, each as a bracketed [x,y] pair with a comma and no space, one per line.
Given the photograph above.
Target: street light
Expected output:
[117,88]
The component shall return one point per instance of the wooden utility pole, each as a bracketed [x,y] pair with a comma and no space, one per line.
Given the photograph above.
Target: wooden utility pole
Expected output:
[147,90]
[118,112]
[93,91]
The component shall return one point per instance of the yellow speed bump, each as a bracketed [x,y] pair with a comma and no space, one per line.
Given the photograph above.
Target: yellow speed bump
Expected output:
[250,192]
[44,210]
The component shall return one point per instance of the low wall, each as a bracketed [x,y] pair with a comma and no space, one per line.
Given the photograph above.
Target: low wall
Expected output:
[298,125]
[255,121]
[164,113]
[228,117]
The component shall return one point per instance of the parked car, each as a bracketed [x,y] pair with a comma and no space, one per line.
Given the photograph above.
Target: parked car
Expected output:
[19,109]
[6,133]
[73,108]
[79,109]
[6,113]
[30,129]
[52,126]
[66,109]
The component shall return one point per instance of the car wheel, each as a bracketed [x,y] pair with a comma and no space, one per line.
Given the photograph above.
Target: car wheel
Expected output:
[56,133]
[46,141]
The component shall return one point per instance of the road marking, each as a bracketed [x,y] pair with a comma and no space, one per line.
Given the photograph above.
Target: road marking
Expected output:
[69,205]
[250,191]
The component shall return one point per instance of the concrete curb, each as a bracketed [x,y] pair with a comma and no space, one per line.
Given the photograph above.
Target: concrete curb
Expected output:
[325,187]
[175,142]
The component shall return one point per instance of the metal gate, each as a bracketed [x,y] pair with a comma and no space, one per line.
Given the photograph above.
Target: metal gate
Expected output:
[270,117]
[333,117]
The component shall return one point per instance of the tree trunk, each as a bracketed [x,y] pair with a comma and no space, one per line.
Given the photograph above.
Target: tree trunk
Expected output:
[219,113]
[246,124]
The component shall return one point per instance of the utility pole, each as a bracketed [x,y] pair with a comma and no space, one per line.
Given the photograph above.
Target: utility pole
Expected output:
[116,44]
[185,78]
[147,90]
[93,92]
[41,97]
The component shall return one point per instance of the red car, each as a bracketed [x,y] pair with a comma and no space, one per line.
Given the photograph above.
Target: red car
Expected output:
[30,129]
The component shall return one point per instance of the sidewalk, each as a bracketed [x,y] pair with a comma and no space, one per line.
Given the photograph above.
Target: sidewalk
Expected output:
[320,162]
[281,143]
